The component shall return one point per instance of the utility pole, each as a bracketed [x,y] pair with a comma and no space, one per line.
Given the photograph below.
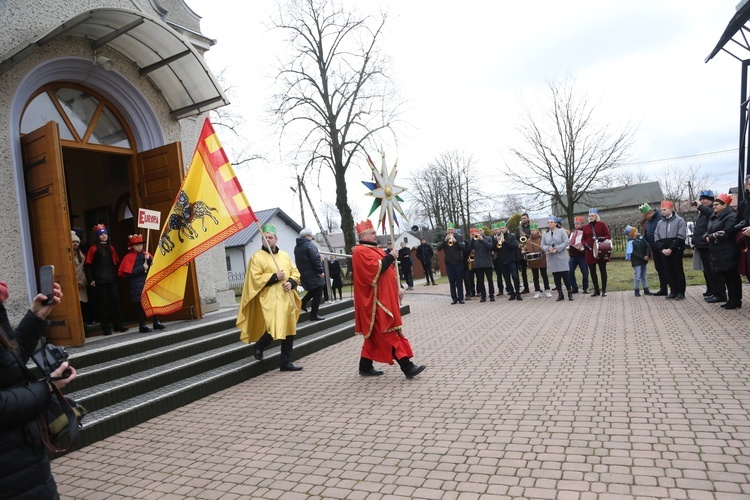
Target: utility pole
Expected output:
[315,214]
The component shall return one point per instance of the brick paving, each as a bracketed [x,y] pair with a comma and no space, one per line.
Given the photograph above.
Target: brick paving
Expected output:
[616,397]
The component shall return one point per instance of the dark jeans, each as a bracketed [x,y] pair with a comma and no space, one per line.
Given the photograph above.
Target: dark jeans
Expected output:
[675,272]
[562,277]
[428,272]
[602,264]
[510,272]
[523,276]
[469,282]
[536,272]
[712,284]
[315,295]
[733,284]
[499,274]
[407,276]
[108,300]
[573,263]
[660,269]
[482,273]
[285,358]
[456,280]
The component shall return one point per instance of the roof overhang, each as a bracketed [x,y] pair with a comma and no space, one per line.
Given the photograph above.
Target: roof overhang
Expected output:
[163,55]
[737,33]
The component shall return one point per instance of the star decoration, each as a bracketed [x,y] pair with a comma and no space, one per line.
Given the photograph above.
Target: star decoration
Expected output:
[385,192]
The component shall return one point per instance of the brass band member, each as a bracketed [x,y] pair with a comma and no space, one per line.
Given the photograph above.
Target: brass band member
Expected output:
[453,253]
[506,251]
[538,265]
[524,230]
[594,232]
[577,254]
[495,264]
[554,243]
[482,248]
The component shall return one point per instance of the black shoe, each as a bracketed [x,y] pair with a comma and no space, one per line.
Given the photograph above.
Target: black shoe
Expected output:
[414,371]
[672,295]
[707,294]
[317,318]
[585,291]
[513,296]
[646,291]
[159,326]
[518,296]
[492,299]
[483,299]
[715,298]
[680,296]
[303,309]
[637,292]
[596,293]
[372,372]
[454,302]
[559,297]
[570,295]
[574,291]
[107,332]
[290,368]
[144,329]
[735,304]
[660,293]
[525,290]
[257,353]
[461,302]
[122,329]
[604,292]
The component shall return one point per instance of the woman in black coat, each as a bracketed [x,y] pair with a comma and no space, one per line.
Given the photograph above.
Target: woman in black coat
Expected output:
[725,254]
[24,462]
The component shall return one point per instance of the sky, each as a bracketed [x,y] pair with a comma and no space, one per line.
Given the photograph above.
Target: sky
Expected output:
[468,70]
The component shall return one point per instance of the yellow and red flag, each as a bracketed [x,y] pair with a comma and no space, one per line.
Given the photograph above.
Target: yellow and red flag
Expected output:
[209,208]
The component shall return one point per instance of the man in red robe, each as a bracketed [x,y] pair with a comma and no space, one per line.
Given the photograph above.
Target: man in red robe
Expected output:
[377,306]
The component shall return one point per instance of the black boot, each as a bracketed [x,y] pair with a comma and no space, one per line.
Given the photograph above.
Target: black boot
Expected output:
[596,293]
[570,295]
[518,296]
[560,295]
[366,369]
[410,369]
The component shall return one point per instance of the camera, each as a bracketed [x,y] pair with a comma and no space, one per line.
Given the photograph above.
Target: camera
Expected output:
[742,225]
[49,357]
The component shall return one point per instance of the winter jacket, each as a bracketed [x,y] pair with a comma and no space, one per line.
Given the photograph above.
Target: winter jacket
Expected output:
[310,267]
[557,239]
[404,260]
[651,229]
[725,254]
[509,252]
[482,252]
[425,253]
[334,270]
[599,231]
[101,264]
[701,226]
[453,254]
[641,250]
[670,233]
[132,266]
[24,462]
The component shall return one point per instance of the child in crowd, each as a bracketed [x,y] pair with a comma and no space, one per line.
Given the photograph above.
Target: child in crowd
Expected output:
[639,259]
[135,265]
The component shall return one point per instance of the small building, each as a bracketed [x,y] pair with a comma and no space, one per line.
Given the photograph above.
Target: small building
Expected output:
[619,204]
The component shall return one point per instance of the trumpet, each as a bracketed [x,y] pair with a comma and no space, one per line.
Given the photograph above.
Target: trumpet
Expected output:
[500,240]
[451,240]
[523,239]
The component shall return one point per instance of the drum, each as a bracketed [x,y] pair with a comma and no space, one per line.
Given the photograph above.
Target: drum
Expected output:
[603,250]
[529,256]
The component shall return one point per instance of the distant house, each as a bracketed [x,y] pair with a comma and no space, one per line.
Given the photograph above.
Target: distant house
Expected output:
[242,245]
[336,240]
[618,204]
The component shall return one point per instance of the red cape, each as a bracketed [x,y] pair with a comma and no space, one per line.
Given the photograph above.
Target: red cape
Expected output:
[377,312]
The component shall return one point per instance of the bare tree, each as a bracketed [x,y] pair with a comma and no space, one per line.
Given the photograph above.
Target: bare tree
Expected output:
[684,184]
[334,91]
[448,190]
[566,153]
[330,216]
[624,179]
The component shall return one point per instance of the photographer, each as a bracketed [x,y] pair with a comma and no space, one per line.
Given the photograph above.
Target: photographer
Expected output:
[725,254]
[704,204]
[24,462]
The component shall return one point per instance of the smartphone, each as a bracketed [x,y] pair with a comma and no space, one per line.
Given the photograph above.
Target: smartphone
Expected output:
[47,283]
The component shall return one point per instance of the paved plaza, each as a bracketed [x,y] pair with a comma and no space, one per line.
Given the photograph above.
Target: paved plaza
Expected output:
[615,397]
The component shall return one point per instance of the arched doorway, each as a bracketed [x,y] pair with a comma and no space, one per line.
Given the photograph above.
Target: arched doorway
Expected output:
[81,168]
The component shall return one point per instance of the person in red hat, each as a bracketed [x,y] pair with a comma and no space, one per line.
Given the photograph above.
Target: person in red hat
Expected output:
[135,266]
[377,306]
[669,239]
[100,267]
[725,254]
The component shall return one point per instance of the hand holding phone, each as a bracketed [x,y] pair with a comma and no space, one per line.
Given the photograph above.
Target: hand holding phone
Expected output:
[47,283]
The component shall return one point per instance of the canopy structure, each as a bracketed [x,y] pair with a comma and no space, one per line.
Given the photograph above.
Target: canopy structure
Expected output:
[163,55]
[734,41]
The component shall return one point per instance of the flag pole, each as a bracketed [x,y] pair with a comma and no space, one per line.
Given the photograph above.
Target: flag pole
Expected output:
[393,244]
[275,263]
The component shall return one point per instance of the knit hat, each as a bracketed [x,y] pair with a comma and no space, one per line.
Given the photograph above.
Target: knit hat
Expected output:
[630,231]
[305,232]
[667,204]
[644,208]
[74,237]
[100,229]
[363,226]
[268,228]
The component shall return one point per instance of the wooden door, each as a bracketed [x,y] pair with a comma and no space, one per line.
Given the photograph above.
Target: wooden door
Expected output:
[49,226]
[156,181]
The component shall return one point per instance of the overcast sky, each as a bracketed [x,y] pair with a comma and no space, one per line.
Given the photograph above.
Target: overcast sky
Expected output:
[468,68]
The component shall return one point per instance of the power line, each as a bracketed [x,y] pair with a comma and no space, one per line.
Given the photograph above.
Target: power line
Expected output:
[698,155]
